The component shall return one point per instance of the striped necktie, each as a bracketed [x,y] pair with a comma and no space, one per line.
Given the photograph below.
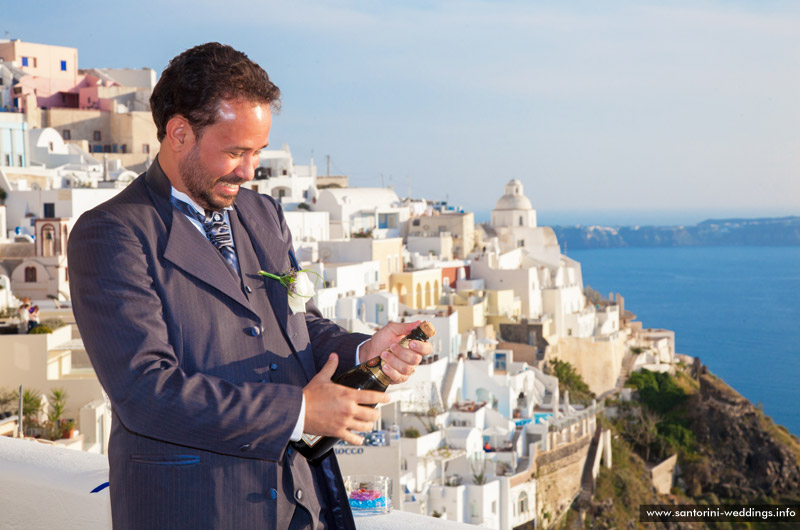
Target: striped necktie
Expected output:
[216,229]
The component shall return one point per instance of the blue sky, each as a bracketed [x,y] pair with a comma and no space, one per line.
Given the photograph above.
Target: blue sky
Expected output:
[620,112]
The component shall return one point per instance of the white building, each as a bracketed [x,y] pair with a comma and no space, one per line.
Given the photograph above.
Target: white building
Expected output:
[387,252]
[514,221]
[308,229]
[279,177]
[361,211]
[13,139]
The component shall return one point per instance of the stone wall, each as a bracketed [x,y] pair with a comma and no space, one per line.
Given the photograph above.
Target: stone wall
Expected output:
[558,478]
[599,362]
[662,475]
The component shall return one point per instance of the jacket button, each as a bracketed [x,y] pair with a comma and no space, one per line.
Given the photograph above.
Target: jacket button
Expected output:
[298,494]
[273,493]
[244,447]
[273,366]
[253,331]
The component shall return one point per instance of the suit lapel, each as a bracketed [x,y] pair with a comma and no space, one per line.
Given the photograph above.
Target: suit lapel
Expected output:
[273,254]
[186,247]
[269,249]
[189,250]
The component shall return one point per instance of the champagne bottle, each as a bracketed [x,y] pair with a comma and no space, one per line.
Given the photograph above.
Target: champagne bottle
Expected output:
[365,376]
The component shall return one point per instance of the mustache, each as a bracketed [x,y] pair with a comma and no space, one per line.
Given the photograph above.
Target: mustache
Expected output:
[232,180]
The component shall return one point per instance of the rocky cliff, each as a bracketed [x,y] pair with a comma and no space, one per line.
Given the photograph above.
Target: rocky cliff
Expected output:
[733,453]
[748,456]
[783,231]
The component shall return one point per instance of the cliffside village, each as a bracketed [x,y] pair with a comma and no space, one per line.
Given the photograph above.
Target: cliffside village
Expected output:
[481,434]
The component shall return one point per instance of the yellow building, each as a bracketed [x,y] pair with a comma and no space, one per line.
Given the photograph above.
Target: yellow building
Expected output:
[417,289]
[503,306]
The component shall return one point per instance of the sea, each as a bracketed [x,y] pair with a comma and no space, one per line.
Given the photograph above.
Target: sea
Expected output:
[737,308]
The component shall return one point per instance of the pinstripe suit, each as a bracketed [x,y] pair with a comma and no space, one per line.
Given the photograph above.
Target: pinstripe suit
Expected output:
[204,370]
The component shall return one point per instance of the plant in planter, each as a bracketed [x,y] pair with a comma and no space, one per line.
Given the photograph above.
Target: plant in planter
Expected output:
[8,401]
[58,400]
[31,408]
[67,428]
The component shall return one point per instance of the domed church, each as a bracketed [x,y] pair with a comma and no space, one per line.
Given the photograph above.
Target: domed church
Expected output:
[514,208]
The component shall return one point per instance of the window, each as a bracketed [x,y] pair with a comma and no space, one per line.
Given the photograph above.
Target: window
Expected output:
[67,134]
[49,209]
[63,66]
[35,62]
[106,148]
[97,137]
[24,61]
[523,502]
[30,274]
[520,243]
[124,148]
[8,160]
[50,147]
[146,149]
[520,220]
[48,241]
[494,506]
[19,161]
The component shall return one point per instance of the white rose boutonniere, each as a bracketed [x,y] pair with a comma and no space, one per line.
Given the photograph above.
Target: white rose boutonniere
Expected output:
[298,285]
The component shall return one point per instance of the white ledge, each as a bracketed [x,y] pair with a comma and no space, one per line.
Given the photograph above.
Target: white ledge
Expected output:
[47,487]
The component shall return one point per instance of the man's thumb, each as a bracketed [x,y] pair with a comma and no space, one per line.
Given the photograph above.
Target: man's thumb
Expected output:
[330,367]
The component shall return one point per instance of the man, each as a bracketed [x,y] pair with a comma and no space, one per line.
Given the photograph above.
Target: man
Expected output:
[209,372]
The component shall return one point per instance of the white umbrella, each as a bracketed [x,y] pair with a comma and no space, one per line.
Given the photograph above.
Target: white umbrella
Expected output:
[495,431]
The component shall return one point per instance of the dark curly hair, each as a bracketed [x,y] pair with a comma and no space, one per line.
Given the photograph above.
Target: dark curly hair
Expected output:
[195,83]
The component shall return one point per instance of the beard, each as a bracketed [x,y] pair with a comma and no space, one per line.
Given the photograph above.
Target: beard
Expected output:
[200,183]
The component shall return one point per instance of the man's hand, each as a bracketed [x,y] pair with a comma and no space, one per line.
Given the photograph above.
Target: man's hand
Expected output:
[399,363]
[335,410]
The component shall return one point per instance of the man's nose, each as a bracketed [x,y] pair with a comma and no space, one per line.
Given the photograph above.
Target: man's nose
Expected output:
[247,169]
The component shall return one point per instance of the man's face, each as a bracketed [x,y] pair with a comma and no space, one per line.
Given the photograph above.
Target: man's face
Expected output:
[226,154]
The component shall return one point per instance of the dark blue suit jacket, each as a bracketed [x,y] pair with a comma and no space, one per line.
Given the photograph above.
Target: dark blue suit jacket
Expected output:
[204,370]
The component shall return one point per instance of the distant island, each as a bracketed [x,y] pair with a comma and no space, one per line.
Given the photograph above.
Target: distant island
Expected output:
[778,231]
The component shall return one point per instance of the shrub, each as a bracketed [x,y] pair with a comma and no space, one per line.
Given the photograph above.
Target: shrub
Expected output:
[570,379]
[657,390]
[53,323]
[41,329]
[411,432]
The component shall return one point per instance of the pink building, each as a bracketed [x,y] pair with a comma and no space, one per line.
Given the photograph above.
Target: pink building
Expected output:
[53,72]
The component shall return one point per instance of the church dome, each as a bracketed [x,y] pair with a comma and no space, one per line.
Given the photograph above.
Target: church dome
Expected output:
[514,199]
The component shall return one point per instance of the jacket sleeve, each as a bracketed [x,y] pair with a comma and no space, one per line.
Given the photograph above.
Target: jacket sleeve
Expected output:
[119,309]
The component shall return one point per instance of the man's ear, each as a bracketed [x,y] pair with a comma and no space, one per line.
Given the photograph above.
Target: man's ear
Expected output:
[180,135]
